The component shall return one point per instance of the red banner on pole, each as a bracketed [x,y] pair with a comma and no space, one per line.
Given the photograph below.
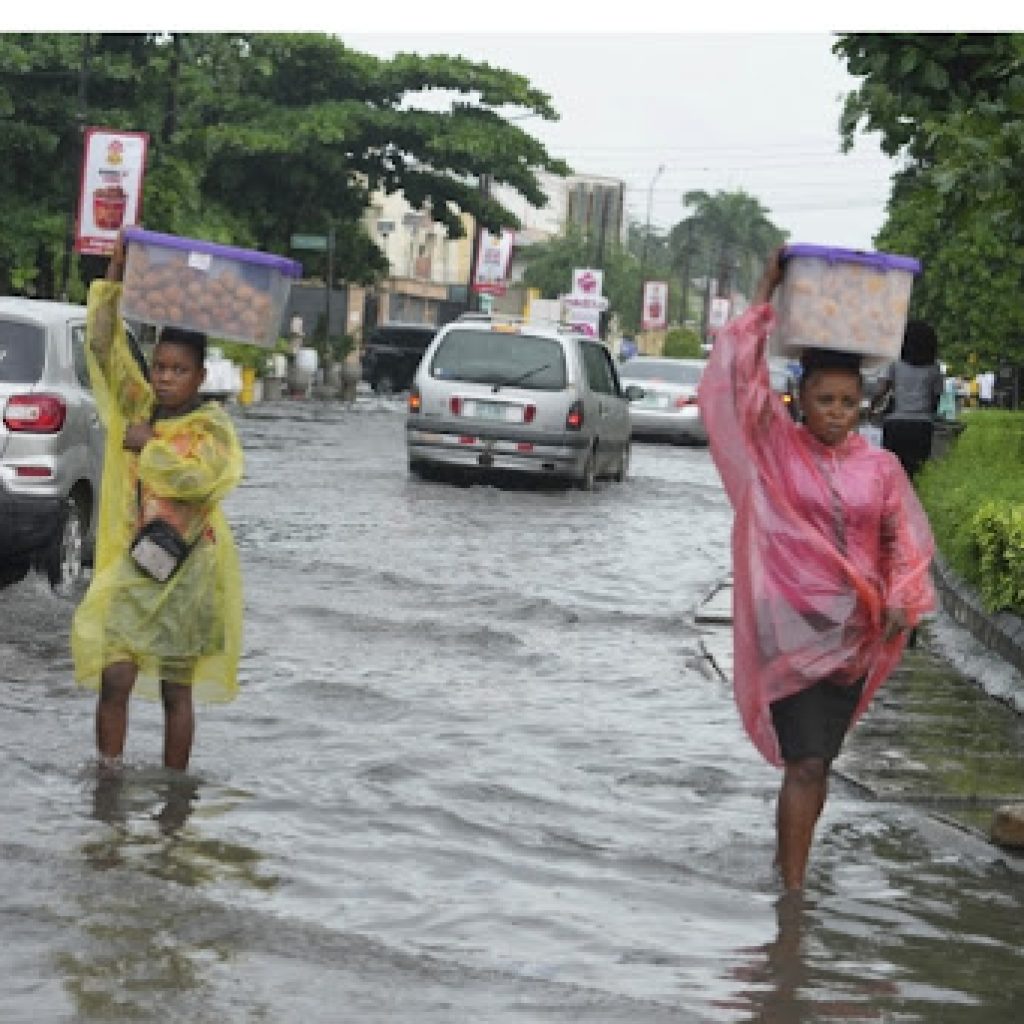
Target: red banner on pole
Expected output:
[110,191]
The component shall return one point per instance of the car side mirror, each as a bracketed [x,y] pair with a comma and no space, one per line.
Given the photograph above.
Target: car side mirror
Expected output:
[634,393]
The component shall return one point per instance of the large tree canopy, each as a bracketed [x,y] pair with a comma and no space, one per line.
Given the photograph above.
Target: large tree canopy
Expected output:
[256,137]
[952,105]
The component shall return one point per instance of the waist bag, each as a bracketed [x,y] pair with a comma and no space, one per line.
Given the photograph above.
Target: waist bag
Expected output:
[159,549]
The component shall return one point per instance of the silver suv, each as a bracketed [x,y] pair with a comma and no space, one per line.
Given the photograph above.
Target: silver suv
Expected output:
[501,394]
[51,444]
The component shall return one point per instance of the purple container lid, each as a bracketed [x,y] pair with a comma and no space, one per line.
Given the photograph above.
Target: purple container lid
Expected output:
[879,260]
[290,268]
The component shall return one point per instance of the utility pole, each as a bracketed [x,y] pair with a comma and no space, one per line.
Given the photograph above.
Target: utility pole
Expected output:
[647,235]
[69,238]
[473,298]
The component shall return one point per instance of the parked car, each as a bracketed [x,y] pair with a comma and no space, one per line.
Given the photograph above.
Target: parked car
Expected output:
[785,384]
[391,353]
[668,408]
[494,394]
[51,443]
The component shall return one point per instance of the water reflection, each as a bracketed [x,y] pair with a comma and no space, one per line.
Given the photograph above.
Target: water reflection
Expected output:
[147,936]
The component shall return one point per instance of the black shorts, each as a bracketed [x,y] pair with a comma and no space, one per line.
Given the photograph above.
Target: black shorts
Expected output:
[813,722]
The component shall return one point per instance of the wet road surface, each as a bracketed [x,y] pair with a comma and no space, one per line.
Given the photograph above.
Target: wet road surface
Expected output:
[478,772]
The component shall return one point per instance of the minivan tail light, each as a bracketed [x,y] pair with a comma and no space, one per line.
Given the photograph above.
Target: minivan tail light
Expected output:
[574,419]
[414,403]
[35,414]
[455,405]
[529,413]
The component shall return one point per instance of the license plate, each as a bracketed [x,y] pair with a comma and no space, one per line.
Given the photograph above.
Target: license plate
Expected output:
[502,411]
[655,401]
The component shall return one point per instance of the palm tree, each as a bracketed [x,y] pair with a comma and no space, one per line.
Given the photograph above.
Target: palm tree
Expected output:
[734,232]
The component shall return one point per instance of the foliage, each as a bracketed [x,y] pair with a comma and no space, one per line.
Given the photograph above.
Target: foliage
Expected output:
[952,106]
[730,233]
[551,265]
[682,343]
[974,497]
[254,138]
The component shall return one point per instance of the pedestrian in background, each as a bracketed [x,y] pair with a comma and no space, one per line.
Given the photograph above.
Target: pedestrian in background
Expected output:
[831,557]
[913,385]
[163,611]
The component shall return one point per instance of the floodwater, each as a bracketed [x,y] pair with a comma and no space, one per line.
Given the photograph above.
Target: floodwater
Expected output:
[477,772]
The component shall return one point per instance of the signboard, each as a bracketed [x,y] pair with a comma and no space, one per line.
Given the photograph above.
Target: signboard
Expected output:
[110,189]
[718,314]
[586,321]
[317,243]
[587,282]
[492,262]
[655,309]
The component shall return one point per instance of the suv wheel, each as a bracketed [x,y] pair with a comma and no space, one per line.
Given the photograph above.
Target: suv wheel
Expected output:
[589,474]
[14,571]
[622,469]
[63,562]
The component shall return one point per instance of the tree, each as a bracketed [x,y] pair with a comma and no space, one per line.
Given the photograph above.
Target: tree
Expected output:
[952,105]
[727,236]
[256,137]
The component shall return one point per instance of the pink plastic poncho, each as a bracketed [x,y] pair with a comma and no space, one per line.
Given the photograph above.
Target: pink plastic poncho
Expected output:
[824,539]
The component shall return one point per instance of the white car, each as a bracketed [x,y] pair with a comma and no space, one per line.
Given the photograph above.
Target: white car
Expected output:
[667,409]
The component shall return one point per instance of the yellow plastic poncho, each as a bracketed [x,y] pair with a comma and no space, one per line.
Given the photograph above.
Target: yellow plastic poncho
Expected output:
[188,629]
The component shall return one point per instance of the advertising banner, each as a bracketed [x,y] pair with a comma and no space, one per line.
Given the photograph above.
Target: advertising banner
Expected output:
[718,314]
[655,311]
[110,193]
[492,263]
[587,282]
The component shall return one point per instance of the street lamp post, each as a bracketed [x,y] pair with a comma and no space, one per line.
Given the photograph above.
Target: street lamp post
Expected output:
[647,235]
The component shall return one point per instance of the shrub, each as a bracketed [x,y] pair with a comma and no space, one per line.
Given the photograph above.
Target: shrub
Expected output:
[974,498]
[682,343]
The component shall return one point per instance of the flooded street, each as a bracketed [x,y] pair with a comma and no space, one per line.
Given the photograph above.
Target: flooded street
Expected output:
[478,772]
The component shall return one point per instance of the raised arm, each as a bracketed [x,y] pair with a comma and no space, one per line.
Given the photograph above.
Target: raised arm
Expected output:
[117,379]
[739,409]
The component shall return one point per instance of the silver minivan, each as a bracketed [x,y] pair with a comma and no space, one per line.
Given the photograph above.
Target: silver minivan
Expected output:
[494,394]
[51,443]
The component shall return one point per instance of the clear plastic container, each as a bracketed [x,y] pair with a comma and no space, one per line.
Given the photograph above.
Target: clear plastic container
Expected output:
[223,291]
[842,299]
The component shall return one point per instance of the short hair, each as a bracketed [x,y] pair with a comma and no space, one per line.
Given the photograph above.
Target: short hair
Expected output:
[818,360]
[194,340]
[920,344]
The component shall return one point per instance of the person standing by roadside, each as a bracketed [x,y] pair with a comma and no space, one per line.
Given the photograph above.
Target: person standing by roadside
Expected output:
[915,382]
[986,388]
[831,556]
[163,611]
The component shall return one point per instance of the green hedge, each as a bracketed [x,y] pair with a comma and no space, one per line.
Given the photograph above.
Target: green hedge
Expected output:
[974,497]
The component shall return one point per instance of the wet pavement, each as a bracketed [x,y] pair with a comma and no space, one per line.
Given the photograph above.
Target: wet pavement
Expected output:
[479,771]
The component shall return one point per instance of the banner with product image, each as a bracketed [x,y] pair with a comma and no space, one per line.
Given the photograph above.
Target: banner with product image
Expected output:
[110,194]
[490,275]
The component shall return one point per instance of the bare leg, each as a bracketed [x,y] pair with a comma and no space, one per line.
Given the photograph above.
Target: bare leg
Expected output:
[801,800]
[179,724]
[116,687]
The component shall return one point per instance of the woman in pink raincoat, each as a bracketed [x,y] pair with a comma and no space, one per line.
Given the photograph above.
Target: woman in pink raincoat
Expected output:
[831,560]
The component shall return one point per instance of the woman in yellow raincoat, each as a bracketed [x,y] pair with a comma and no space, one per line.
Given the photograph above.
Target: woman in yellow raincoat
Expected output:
[171,457]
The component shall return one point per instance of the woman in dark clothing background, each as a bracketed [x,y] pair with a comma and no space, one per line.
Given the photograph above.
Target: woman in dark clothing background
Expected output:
[915,382]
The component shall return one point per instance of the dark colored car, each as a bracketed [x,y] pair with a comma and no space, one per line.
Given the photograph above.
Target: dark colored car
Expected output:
[391,354]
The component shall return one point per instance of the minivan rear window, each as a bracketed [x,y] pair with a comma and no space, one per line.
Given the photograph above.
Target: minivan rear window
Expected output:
[493,357]
[22,352]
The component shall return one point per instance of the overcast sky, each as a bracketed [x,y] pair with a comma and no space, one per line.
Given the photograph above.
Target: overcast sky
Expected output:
[757,112]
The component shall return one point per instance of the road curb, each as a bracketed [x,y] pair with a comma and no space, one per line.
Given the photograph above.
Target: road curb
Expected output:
[1001,632]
